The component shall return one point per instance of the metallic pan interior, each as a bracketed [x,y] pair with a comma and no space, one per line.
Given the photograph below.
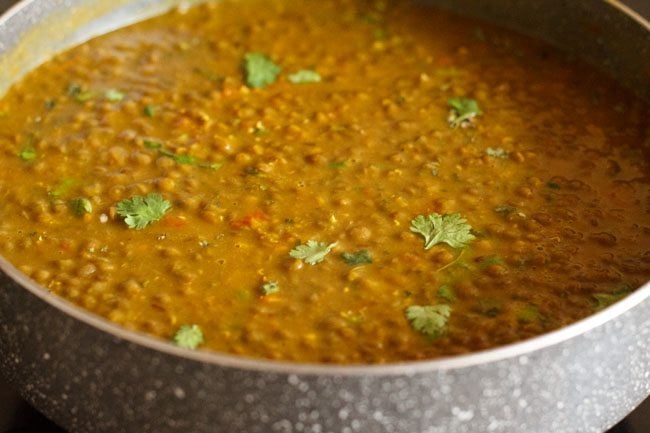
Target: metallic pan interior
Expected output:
[91,376]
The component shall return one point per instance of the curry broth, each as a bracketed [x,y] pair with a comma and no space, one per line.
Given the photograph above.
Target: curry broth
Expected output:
[552,177]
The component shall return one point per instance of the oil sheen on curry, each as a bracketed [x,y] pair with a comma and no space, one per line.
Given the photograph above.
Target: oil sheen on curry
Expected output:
[332,181]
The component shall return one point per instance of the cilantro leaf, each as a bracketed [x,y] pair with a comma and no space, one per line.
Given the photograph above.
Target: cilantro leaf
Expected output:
[189,337]
[152,144]
[260,70]
[361,257]
[305,76]
[528,314]
[81,206]
[139,212]
[113,95]
[488,261]
[604,300]
[150,110]
[446,292]
[78,93]
[179,159]
[451,229]
[27,153]
[62,188]
[270,288]
[497,152]
[464,110]
[312,252]
[430,320]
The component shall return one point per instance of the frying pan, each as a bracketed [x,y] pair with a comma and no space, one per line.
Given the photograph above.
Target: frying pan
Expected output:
[91,376]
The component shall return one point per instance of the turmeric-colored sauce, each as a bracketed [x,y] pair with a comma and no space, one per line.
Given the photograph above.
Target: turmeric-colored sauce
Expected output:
[336,181]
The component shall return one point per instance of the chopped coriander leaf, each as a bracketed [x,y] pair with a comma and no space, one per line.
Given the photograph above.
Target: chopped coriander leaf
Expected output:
[185,159]
[150,110]
[139,212]
[211,165]
[604,300]
[81,206]
[446,293]
[361,257]
[270,288]
[528,314]
[338,164]
[312,252]
[27,153]
[260,71]
[497,152]
[305,76]
[50,104]
[491,260]
[189,337]
[179,159]
[451,229]
[62,188]
[113,95]
[78,93]
[464,110]
[152,144]
[73,89]
[429,320]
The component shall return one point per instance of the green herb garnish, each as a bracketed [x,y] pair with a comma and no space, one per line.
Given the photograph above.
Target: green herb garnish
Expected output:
[497,152]
[604,300]
[113,95]
[81,206]
[139,212]
[451,229]
[528,314]
[361,257]
[179,159]
[270,288]
[260,71]
[491,260]
[27,153]
[150,110]
[189,337]
[78,93]
[430,320]
[312,252]
[338,164]
[464,110]
[305,76]
[152,144]
[62,188]
[446,293]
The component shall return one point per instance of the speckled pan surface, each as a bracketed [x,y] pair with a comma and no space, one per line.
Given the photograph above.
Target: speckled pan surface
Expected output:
[91,377]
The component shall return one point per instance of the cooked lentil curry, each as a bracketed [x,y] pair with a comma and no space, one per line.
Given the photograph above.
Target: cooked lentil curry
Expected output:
[332,181]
